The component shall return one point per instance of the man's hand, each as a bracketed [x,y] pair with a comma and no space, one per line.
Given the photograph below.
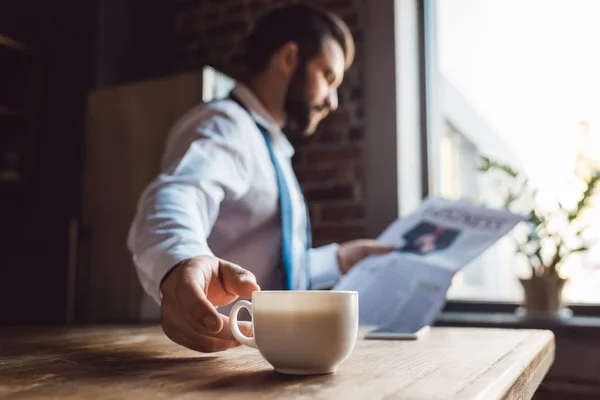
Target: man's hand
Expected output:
[190,294]
[350,253]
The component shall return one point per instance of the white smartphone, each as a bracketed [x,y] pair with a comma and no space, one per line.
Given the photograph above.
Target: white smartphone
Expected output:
[398,334]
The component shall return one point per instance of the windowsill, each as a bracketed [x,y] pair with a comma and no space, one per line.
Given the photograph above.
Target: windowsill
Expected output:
[502,315]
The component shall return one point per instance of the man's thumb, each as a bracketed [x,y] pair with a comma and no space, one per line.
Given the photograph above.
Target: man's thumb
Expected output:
[237,280]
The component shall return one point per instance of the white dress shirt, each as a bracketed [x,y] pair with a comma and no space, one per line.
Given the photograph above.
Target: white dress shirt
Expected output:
[216,194]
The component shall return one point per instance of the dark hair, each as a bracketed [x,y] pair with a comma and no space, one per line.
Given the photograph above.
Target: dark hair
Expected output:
[305,25]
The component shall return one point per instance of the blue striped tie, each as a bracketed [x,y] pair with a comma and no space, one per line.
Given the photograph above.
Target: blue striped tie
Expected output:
[286,214]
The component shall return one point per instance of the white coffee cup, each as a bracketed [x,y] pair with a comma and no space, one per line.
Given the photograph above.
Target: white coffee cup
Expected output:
[301,332]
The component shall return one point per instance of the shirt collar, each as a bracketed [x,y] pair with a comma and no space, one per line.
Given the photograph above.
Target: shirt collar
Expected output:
[262,117]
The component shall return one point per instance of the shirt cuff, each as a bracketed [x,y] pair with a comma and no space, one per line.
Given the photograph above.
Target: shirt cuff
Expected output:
[324,267]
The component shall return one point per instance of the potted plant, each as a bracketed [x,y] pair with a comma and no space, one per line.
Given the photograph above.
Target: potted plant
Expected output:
[551,235]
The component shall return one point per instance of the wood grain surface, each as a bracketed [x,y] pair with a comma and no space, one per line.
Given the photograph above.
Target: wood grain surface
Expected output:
[139,362]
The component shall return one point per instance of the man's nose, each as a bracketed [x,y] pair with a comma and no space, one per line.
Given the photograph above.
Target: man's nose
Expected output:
[332,99]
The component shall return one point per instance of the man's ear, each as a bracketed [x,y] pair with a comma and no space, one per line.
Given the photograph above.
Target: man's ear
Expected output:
[288,58]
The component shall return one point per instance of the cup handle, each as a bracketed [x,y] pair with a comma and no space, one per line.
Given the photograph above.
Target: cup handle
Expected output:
[233,321]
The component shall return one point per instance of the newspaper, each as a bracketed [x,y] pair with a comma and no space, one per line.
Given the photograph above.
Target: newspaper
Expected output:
[407,287]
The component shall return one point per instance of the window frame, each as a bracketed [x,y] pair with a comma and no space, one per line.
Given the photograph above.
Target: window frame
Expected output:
[499,307]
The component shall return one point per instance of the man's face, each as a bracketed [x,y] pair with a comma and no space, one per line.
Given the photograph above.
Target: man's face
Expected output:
[312,92]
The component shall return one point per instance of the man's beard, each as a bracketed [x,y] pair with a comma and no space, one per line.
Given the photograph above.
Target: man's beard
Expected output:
[298,110]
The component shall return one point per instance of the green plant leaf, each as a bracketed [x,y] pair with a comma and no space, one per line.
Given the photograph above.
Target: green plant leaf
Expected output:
[582,230]
[535,219]
[510,199]
[579,249]
[509,170]
[485,164]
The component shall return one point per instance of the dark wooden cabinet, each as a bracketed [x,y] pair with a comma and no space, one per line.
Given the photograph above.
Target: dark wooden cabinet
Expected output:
[52,56]
[46,71]
[20,83]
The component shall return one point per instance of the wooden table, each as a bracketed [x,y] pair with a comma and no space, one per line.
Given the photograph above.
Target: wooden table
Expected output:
[139,362]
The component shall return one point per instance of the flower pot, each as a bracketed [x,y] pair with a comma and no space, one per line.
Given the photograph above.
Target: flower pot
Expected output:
[543,295]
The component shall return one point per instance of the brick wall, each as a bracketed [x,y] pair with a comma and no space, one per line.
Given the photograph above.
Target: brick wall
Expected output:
[329,167]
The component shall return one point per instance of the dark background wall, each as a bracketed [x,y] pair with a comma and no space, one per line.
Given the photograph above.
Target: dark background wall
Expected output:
[134,40]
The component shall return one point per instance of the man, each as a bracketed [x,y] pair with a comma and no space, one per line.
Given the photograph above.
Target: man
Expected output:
[227,195]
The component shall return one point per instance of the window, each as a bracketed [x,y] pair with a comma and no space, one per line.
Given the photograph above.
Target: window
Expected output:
[516,81]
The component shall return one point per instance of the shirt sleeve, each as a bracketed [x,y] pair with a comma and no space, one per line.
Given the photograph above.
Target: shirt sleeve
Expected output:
[324,266]
[202,166]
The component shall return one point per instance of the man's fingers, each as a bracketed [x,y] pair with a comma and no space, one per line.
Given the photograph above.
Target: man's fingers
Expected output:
[237,280]
[211,342]
[203,344]
[190,296]
[208,344]
[181,332]
[193,300]
[224,333]
[246,328]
